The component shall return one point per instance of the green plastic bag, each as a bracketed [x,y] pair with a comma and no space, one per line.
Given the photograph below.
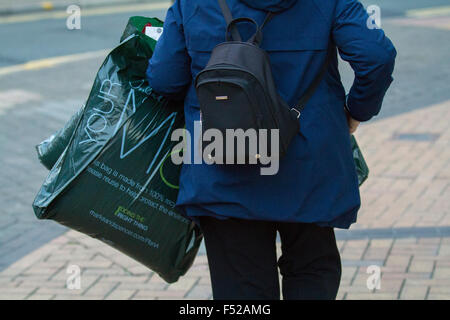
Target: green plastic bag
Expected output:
[137,24]
[115,181]
[51,148]
[362,170]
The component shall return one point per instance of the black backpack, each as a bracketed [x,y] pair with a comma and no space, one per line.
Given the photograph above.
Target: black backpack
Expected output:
[236,90]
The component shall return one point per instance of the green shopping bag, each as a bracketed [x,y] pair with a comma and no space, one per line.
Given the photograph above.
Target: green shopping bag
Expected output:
[362,170]
[115,181]
[51,148]
[137,25]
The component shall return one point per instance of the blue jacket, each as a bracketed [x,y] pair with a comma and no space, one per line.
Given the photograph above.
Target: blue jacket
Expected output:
[316,181]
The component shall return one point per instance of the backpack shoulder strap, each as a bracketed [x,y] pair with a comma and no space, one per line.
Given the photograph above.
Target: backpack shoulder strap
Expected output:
[298,108]
[228,18]
[268,17]
[257,37]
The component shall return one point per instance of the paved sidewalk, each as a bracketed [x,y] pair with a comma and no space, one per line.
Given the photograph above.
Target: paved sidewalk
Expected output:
[403,228]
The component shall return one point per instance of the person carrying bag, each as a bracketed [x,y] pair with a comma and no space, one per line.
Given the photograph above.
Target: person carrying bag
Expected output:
[315,188]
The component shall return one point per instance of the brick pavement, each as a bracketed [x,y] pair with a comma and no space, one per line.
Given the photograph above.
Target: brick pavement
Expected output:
[408,192]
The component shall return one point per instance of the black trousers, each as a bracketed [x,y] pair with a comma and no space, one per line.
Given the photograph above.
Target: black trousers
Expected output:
[243,262]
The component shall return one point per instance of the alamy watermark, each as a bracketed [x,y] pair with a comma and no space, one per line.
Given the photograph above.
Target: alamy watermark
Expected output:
[73,281]
[374,20]
[73,21]
[236,146]
[374,280]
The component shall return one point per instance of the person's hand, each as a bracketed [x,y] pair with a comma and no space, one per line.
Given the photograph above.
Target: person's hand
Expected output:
[352,123]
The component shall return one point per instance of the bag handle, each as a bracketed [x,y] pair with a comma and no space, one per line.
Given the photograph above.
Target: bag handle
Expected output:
[231,24]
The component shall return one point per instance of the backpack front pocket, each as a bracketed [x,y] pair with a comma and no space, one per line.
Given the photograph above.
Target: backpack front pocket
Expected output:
[226,104]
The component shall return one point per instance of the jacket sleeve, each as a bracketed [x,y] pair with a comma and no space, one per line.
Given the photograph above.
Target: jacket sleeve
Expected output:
[371,55]
[168,70]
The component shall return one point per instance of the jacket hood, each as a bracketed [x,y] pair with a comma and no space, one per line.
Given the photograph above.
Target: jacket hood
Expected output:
[270,5]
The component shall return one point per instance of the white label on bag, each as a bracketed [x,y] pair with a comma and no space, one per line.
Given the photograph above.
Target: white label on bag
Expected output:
[153,32]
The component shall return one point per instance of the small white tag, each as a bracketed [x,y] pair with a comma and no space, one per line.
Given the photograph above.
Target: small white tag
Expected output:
[153,32]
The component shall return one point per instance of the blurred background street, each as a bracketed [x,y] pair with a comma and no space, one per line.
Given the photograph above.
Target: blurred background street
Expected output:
[46,73]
